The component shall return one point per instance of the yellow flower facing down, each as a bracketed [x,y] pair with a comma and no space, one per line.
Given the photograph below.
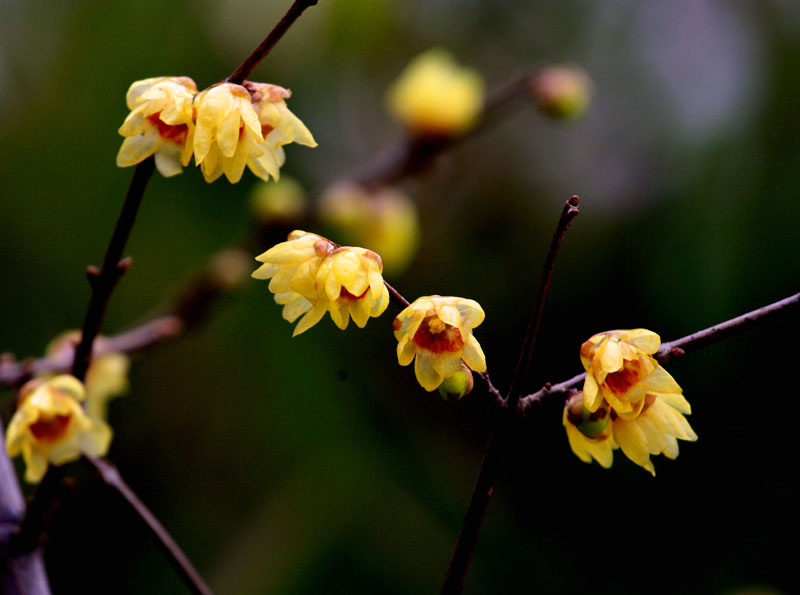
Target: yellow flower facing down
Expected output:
[106,378]
[621,369]
[438,332]
[50,426]
[656,430]
[244,125]
[160,123]
[310,275]
[434,96]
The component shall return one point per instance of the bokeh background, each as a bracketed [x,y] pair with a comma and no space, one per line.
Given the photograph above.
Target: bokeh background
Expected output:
[316,464]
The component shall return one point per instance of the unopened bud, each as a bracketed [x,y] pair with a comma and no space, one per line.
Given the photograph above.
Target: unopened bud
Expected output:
[589,423]
[562,92]
[458,385]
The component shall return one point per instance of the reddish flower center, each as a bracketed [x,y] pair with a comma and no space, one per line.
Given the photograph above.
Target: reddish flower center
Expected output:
[621,381]
[346,296]
[176,134]
[50,429]
[437,336]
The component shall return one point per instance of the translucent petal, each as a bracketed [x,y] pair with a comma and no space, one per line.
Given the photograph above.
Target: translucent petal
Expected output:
[405,351]
[360,310]
[426,375]
[471,312]
[311,318]
[168,160]
[473,355]
[293,309]
[660,381]
[633,443]
[228,135]
[676,401]
[644,340]
[610,356]
[136,149]
[449,315]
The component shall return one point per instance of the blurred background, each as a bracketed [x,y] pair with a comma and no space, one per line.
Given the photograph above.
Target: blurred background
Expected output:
[317,464]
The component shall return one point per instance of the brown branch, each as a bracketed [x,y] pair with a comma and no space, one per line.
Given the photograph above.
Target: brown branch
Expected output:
[677,348]
[503,429]
[568,214]
[111,476]
[274,36]
[416,154]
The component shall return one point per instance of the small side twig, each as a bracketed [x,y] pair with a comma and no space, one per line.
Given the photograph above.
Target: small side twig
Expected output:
[677,348]
[274,36]
[111,476]
[503,430]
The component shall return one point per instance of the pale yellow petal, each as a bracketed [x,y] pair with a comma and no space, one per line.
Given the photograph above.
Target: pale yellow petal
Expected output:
[426,375]
[473,355]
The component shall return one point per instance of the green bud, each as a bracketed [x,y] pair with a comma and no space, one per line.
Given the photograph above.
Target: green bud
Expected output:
[590,424]
[458,385]
[562,92]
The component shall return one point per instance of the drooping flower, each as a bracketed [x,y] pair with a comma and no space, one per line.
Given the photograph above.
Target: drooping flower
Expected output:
[434,96]
[621,369]
[385,220]
[106,377]
[160,123]
[244,125]
[50,426]
[310,275]
[438,332]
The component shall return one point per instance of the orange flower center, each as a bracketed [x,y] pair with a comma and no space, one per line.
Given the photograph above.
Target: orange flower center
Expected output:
[50,428]
[346,296]
[632,373]
[437,336]
[176,134]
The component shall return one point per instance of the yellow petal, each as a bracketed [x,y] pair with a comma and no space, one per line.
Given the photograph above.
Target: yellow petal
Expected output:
[428,378]
[473,355]
[660,381]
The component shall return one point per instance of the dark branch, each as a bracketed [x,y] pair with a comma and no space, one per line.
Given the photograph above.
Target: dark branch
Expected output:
[677,348]
[246,67]
[568,213]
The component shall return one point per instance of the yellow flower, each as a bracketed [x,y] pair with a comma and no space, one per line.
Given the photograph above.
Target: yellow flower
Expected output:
[434,96]
[247,124]
[160,123]
[620,368]
[50,426]
[310,275]
[350,283]
[589,433]
[106,378]
[384,220]
[438,331]
[655,430]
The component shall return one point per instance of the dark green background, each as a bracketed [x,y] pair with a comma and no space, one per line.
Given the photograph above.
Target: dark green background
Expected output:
[316,464]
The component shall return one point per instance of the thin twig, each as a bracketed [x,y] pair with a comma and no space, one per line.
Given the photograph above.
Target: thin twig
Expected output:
[677,348]
[396,296]
[105,279]
[568,214]
[503,427]
[111,476]
[274,36]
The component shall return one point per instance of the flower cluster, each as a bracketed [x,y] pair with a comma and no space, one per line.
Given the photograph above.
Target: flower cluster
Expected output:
[226,127]
[438,332]
[50,426]
[311,275]
[628,401]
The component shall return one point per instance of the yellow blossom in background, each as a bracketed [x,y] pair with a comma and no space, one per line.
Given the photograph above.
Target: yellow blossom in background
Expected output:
[562,92]
[160,123]
[244,125]
[438,332]
[280,202]
[621,369]
[350,283]
[384,220]
[50,426]
[310,276]
[434,96]
[106,378]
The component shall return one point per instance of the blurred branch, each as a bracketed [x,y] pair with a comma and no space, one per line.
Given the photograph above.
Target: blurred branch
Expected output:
[677,348]
[274,36]
[111,476]
[503,427]
[418,153]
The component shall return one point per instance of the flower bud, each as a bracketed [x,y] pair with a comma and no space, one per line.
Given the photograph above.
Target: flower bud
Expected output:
[458,385]
[562,92]
[283,201]
[589,423]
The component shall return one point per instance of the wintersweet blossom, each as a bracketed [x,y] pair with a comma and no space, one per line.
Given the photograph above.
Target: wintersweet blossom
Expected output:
[656,430]
[50,426]
[434,96]
[310,276]
[160,123]
[621,369]
[438,332]
[244,125]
